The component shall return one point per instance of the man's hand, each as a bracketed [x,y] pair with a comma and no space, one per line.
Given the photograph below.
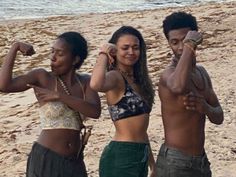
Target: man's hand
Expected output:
[195,102]
[193,37]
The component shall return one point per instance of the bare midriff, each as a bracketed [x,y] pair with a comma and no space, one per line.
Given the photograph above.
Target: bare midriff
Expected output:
[132,129]
[65,142]
[185,132]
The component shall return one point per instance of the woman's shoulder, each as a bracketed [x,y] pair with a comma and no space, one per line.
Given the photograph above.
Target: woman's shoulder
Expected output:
[86,76]
[40,71]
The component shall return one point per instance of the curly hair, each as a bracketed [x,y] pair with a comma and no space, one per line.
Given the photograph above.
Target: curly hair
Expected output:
[140,67]
[78,45]
[179,20]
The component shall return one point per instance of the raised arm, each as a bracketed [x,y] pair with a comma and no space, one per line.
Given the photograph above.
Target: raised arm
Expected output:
[102,81]
[177,80]
[9,84]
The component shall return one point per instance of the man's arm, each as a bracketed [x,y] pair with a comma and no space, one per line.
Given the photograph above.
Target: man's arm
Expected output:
[19,83]
[208,106]
[214,110]
[178,80]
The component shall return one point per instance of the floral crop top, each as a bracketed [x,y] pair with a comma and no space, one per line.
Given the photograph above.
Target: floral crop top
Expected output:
[131,104]
[57,115]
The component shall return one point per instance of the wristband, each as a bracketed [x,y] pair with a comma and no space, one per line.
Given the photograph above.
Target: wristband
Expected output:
[104,53]
[194,43]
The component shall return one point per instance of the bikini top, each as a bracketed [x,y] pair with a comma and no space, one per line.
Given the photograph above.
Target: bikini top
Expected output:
[57,115]
[131,104]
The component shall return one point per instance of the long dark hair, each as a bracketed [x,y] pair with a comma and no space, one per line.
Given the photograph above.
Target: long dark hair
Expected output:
[140,67]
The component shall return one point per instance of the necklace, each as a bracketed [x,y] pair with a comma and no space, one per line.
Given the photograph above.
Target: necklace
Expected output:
[127,74]
[63,85]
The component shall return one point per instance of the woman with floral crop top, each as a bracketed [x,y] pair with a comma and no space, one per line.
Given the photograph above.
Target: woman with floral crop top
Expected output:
[64,96]
[130,97]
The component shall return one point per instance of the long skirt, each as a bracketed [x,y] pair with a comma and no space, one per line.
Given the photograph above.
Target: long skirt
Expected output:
[43,162]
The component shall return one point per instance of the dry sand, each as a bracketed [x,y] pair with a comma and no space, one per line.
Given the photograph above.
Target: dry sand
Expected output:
[19,123]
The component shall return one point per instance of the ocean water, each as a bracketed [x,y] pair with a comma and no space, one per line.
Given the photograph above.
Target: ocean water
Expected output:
[17,9]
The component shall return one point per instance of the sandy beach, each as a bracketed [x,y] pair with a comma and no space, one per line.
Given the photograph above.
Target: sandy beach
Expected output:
[19,122]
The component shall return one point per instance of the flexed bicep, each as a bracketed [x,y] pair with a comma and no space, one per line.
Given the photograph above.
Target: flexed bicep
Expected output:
[19,83]
[8,83]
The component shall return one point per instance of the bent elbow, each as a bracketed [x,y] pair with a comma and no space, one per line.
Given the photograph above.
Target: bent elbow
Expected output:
[96,114]
[3,89]
[176,89]
[220,120]
[95,86]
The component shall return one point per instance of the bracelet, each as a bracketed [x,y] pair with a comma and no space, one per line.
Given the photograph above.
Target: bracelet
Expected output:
[191,48]
[190,41]
[104,53]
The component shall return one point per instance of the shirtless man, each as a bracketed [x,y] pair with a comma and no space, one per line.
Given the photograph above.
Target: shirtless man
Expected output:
[187,99]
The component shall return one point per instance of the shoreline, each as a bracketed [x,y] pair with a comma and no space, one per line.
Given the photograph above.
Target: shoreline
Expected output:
[19,121]
[114,12]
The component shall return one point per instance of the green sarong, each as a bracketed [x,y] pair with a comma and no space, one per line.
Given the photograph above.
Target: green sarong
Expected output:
[124,159]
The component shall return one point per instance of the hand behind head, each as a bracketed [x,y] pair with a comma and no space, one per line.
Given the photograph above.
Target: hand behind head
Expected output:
[111,49]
